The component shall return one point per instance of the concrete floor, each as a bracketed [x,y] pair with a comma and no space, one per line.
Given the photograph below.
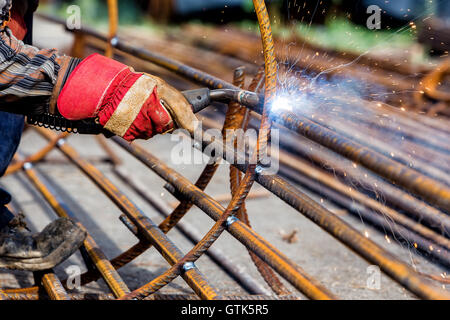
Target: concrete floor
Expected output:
[320,255]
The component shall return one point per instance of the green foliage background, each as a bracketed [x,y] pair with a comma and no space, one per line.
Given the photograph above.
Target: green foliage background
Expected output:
[337,33]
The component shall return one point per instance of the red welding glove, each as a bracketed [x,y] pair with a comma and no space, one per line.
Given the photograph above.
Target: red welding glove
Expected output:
[129,104]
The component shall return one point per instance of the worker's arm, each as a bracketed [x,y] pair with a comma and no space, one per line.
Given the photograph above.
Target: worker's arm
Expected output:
[29,77]
[34,81]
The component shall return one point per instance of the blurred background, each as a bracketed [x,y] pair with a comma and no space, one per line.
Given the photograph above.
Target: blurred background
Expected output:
[329,17]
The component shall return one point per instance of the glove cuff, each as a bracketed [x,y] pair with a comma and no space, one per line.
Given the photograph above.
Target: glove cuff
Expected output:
[124,102]
[87,86]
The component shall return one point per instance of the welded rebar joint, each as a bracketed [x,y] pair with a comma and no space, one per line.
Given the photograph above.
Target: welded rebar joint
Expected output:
[188,266]
[27,166]
[114,41]
[231,220]
[129,224]
[61,142]
[259,170]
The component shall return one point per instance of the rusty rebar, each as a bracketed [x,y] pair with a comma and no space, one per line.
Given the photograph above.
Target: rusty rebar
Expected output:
[386,224]
[237,118]
[38,156]
[98,258]
[328,221]
[247,182]
[54,288]
[152,233]
[395,270]
[353,133]
[223,261]
[288,270]
[429,189]
[316,179]
[431,82]
[368,182]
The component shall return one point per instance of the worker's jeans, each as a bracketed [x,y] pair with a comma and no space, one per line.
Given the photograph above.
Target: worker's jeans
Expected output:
[11,127]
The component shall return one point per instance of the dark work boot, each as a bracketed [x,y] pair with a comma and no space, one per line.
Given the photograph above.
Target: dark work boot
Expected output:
[22,250]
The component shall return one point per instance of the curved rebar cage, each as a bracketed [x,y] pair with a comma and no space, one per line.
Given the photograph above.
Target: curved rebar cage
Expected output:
[270,262]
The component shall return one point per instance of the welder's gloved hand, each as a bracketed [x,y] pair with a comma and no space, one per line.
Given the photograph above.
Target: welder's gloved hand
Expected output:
[129,104]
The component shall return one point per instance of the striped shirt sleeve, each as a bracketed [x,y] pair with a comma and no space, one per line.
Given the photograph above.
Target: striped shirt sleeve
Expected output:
[30,78]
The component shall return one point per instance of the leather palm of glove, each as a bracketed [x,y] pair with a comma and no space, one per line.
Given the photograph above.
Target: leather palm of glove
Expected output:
[129,104]
[22,250]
